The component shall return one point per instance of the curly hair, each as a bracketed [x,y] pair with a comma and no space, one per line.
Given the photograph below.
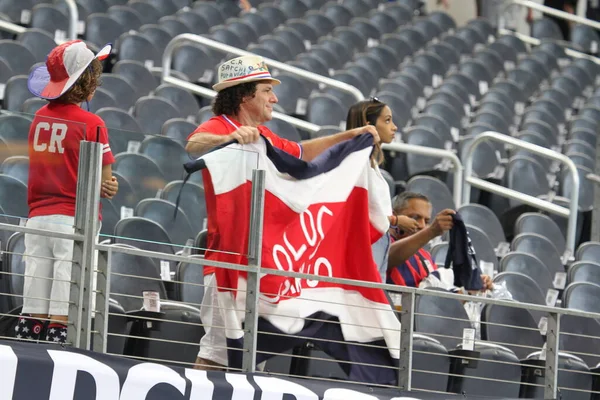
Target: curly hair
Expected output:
[228,100]
[84,86]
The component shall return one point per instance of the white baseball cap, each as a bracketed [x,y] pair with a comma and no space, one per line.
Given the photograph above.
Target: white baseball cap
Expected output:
[63,67]
[242,70]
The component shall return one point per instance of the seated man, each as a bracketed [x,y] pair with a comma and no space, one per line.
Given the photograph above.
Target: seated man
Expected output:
[409,264]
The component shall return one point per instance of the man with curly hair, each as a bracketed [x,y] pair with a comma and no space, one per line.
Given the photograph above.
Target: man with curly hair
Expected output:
[69,78]
[244,102]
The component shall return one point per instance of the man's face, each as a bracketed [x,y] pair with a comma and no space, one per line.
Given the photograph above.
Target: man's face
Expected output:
[260,107]
[419,210]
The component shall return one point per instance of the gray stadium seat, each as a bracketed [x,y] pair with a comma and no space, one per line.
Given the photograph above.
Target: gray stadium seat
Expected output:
[527,176]
[484,248]
[18,57]
[542,248]
[485,219]
[13,197]
[147,12]
[135,275]
[222,33]
[39,42]
[14,9]
[198,23]
[102,99]
[582,271]
[523,289]
[588,251]
[542,225]
[13,263]
[325,109]
[339,13]
[17,167]
[530,265]
[102,29]
[178,129]
[293,9]
[122,128]
[431,356]
[192,202]
[273,14]
[195,62]
[15,93]
[422,136]
[125,197]
[572,374]
[94,6]
[183,100]
[49,18]
[210,10]
[427,27]
[259,23]
[168,154]
[546,28]
[144,234]
[121,90]
[136,47]
[152,112]
[284,129]
[141,171]
[586,188]
[174,25]
[438,193]
[157,35]
[307,31]
[165,7]
[582,296]
[14,130]
[190,288]
[126,16]
[163,213]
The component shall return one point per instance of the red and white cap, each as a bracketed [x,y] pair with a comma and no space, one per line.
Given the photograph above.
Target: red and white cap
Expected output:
[241,70]
[63,67]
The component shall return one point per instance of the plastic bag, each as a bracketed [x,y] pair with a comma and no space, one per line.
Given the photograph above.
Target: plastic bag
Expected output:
[473,308]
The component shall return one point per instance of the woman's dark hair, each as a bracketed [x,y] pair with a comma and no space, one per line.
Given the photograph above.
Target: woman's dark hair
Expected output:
[363,113]
[228,100]
[85,85]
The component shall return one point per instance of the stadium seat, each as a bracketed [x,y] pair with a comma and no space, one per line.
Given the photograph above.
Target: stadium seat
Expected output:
[120,89]
[157,35]
[102,99]
[431,356]
[586,188]
[125,128]
[190,287]
[152,112]
[541,247]
[338,13]
[523,289]
[16,167]
[292,8]
[422,136]
[13,263]
[49,18]
[146,11]
[136,47]
[527,176]
[142,173]
[16,92]
[195,62]
[582,296]
[102,29]
[126,16]
[17,55]
[278,46]
[174,25]
[183,100]
[589,251]
[484,219]
[125,197]
[163,213]
[325,109]
[143,234]
[191,202]
[272,14]
[178,129]
[130,276]
[137,75]
[168,154]
[14,130]
[284,129]
[13,197]
[38,41]
[542,225]
[438,193]
[165,7]
[258,22]
[529,265]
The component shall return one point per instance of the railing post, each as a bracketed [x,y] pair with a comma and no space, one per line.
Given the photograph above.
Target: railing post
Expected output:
[254,260]
[73,19]
[100,335]
[407,321]
[86,224]
[551,366]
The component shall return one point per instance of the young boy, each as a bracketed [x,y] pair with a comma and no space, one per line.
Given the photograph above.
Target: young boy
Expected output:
[68,79]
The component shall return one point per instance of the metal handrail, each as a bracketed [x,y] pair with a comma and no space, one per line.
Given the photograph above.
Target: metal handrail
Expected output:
[536,42]
[12,28]
[547,10]
[73,22]
[73,19]
[209,93]
[433,152]
[471,180]
[350,282]
[224,48]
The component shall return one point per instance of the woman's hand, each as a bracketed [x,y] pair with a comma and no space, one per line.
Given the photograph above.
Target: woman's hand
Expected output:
[109,188]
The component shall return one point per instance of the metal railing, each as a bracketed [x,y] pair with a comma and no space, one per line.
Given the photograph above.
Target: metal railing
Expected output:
[81,335]
[550,11]
[73,22]
[471,180]
[224,48]
[457,189]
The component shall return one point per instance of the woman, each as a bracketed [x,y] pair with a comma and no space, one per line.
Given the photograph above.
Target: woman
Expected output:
[376,113]
[68,79]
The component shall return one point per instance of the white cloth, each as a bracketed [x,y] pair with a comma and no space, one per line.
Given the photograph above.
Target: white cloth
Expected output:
[48,261]
[213,345]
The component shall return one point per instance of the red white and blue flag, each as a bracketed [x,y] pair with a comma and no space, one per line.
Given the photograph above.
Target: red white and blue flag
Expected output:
[321,218]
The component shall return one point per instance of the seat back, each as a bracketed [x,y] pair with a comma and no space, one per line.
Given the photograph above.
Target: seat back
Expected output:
[144,234]
[582,296]
[530,265]
[163,213]
[190,286]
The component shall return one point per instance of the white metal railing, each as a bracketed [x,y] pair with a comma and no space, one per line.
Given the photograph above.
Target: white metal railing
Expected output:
[73,22]
[471,180]
[224,48]
[433,152]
